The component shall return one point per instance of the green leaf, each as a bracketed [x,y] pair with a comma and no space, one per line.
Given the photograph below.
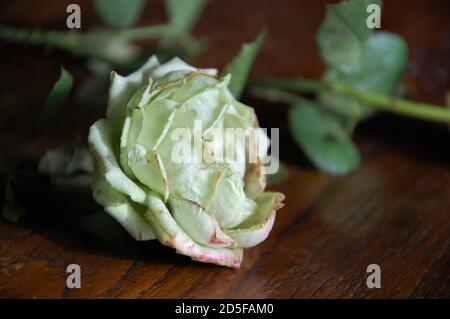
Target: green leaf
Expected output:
[322,139]
[56,97]
[240,67]
[184,13]
[119,13]
[343,34]
[382,66]
[12,213]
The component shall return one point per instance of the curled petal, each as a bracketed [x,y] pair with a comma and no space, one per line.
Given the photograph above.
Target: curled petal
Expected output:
[128,214]
[228,201]
[123,157]
[121,90]
[100,143]
[169,233]
[198,224]
[137,131]
[257,227]
[176,64]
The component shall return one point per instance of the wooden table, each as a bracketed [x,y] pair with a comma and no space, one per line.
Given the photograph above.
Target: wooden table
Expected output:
[393,211]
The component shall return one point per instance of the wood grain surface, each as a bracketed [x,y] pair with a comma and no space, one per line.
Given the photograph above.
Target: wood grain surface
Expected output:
[393,211]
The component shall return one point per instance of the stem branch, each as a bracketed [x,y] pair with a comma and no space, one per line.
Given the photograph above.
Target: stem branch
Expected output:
[397,105]
[74,42]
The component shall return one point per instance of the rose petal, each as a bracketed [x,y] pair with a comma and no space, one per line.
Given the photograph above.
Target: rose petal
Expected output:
[100,143]
[257,227]
[129,215]
[198,224]
[171,234]
[122,89]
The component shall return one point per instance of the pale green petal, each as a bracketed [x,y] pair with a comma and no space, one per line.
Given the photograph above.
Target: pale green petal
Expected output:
[176,64]
[200,97]
[239,115]
[194,182]
[192,85]
[170,234]
[132,221]
[100,143]
[176,69]
[202,227]
[122,89]
[148,126]
[148,168]
[131,129]
[124,146]
[257,227]
[216,187]
[128,214]
[235,150]
[207,106]
[228,202]
[158,119]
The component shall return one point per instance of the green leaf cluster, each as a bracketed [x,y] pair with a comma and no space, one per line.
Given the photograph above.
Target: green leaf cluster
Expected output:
[360,59]
[357,60]
[357,57]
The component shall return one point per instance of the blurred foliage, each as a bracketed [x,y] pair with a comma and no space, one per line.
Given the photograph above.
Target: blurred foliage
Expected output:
[239,67]
[357,58]
[119,13]
[183,14]
[322,138]
[114,48]
[54,100]
[10,211]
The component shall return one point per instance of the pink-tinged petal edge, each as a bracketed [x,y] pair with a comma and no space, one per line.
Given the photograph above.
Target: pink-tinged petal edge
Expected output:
[213,257]
[169,233]
[253,235]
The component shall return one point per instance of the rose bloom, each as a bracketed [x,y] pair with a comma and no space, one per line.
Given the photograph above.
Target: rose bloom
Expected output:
[208,210]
